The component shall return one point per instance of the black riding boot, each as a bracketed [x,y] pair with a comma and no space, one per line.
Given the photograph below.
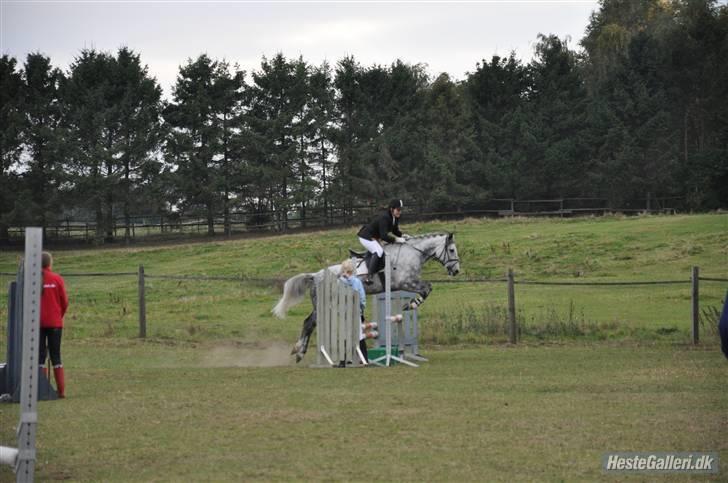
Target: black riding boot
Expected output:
[372,267]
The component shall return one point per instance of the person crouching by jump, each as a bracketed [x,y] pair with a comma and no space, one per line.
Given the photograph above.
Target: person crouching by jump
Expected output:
[378,229]
[348,276]
[53,305]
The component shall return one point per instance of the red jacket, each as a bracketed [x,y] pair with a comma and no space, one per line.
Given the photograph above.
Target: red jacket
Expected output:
[53,301]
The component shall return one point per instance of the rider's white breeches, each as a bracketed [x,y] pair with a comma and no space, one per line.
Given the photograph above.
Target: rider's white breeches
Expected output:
[372,246]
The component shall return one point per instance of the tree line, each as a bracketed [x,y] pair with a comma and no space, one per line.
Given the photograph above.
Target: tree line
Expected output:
[641,107]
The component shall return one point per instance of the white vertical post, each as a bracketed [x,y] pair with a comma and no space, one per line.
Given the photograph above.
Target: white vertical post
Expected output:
[32,286]
[388,308]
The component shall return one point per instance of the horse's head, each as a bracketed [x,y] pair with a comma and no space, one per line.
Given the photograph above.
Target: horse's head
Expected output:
[450,257]
[437,246]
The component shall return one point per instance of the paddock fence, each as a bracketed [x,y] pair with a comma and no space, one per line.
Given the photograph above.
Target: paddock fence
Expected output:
[176,226]
[132,305]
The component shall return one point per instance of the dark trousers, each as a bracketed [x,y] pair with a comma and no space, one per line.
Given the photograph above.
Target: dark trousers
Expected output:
[363,342]
[50,341]
[363,348]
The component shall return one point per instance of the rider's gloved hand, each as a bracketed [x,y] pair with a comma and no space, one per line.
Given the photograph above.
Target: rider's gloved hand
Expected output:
[399,239]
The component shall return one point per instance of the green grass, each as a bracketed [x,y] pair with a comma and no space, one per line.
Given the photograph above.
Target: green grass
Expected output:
[146,411]
[212,394]
[591,249]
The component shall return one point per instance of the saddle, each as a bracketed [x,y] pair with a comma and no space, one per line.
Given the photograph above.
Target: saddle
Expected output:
[363,259]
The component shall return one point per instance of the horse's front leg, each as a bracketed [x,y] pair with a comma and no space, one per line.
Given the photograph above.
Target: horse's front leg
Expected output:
[422,288]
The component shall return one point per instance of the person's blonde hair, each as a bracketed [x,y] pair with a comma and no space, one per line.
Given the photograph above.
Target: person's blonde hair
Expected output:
[46,259]
[347,267]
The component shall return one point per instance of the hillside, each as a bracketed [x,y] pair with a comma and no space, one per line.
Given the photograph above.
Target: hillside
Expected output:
[652,248]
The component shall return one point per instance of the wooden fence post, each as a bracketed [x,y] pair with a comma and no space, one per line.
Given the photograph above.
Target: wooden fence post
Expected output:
[142,305]
[512,330]
[696,305]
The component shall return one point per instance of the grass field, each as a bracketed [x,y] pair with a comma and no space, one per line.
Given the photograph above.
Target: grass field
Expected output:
[212,394]
[166,412]
[593,249]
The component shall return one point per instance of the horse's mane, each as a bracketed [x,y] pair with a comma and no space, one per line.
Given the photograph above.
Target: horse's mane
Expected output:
[428,235]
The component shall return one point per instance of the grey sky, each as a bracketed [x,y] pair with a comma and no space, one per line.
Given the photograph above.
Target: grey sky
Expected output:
[447,36]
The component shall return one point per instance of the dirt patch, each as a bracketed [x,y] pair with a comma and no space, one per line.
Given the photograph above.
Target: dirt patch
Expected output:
[260,354]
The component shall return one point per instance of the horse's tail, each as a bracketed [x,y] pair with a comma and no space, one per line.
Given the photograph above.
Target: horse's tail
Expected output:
[293,292]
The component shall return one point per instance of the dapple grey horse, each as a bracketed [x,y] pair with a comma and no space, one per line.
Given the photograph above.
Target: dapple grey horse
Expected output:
[407,260]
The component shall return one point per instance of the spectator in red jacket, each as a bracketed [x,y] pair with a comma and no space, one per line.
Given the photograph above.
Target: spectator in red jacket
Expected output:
[53,305]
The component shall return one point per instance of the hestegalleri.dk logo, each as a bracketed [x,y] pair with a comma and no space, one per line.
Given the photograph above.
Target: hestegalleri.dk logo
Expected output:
[661,462]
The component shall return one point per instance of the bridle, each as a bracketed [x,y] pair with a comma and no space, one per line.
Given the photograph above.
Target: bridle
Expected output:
[444,256]
[448,261]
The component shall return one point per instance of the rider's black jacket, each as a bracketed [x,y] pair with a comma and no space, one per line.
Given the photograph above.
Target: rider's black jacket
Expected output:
[380,227]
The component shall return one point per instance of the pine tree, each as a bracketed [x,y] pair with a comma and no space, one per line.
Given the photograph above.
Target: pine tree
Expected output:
[696,78]
[558,99]
[229,88]
[323,131]
[43,137]
[202,116]
[140,131]
[444,175]
[272,114]
[92,119]
[349,108]
[303,130]
[11,127]
[496,103]
[404,129]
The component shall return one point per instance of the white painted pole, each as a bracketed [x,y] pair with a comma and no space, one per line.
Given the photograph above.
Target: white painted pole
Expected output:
[326,355]
[8,456]
[32,287]
[361,356]
[388,307]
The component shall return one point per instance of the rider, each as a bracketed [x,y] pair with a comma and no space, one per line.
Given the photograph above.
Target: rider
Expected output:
[379,229]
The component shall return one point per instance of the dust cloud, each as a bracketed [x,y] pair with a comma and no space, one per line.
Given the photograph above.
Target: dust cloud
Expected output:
[262,354]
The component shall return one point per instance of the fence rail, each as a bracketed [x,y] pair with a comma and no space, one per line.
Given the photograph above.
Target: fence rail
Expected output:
[510,280]
[175,226]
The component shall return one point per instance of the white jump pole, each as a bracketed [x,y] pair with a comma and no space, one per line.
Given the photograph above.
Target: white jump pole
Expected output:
[8,456]
[33,284]
[388,309]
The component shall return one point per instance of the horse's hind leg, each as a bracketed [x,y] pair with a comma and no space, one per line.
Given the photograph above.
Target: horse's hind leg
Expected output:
[301,345]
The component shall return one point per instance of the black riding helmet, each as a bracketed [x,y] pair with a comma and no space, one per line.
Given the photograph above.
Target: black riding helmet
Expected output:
[395,204]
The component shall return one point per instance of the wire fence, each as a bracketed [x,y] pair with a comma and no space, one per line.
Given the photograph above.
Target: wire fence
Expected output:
[165,295]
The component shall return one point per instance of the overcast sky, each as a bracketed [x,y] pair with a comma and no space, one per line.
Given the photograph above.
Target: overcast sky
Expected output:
[448,36]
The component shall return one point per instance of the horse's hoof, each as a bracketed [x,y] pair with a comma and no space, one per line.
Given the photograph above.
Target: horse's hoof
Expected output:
[296,348]
[299,358]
